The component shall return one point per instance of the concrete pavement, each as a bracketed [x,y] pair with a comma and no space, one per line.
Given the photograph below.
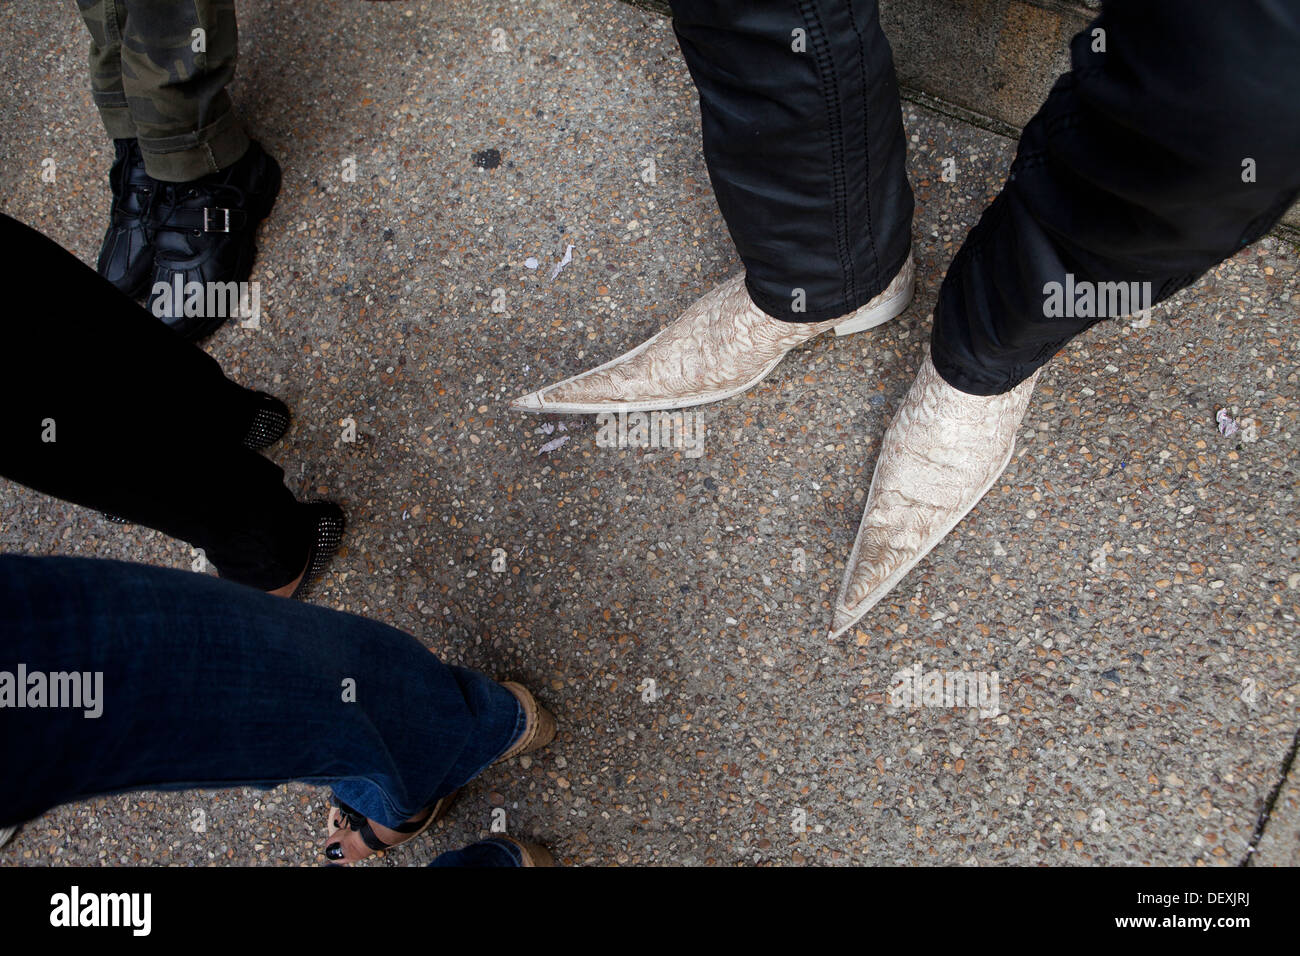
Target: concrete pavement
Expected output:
[1131,580]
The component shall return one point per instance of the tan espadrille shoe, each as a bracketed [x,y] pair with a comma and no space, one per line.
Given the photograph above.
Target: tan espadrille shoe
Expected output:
[539,726]
[530,854]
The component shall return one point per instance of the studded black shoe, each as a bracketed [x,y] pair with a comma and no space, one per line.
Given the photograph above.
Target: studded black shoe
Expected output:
[326,521]
[126,257]
[270,422]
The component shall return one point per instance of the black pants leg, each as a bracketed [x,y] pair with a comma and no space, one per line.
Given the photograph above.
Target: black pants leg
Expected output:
[804,142]
[1137,169]
[106,407]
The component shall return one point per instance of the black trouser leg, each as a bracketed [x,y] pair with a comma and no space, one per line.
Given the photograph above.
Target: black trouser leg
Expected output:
[804,142]
[1151,161]
[106,407]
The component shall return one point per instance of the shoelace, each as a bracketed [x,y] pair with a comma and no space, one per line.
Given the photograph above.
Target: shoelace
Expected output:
[151,197]
[146,215]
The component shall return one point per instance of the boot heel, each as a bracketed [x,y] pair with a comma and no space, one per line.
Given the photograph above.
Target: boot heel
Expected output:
[868,317]
[865,319]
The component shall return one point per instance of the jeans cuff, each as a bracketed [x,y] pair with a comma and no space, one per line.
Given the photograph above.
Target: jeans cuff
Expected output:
[521,724]
[507,847]
[369,798]
[961,377]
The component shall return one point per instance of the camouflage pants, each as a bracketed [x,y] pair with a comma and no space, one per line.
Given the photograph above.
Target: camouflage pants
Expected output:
[158,72]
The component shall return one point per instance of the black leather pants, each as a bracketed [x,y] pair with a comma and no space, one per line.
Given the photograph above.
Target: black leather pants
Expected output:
[106,407]
[803,137]
[1173,142]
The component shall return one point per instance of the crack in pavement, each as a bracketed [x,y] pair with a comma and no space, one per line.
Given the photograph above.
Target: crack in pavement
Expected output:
[1287,763]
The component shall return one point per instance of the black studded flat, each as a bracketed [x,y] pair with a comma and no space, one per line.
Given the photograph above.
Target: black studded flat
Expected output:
[270,422]
[326,522]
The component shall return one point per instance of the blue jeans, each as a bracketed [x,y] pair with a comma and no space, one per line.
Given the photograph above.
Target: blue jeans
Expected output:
[200,682]
[484,853]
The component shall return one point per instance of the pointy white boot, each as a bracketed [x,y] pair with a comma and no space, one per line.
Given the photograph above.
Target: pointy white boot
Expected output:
[722,345]
[941,453]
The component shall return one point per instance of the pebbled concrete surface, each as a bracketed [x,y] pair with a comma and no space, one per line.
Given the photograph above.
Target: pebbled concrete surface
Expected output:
[1131,579]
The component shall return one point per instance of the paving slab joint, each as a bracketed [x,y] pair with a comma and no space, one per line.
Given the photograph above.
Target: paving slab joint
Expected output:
[1288,762]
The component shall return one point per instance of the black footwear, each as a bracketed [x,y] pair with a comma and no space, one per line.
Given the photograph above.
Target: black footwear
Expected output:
[270,422]
[204,234]
[126,256]
[325,521]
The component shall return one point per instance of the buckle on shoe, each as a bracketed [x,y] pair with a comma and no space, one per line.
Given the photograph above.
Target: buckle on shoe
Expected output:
[223,222]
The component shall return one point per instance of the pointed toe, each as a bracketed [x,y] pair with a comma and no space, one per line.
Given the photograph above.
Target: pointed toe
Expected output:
[865,590]
[940,455]
[721,346]
[532,402]
[843,620]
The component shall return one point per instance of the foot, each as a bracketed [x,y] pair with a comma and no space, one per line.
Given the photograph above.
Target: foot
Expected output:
[127,253]
[352,836]
[530,854]
[940,454]
[286,591]
[722,345]
[270,422]
[325,523]
[205,232]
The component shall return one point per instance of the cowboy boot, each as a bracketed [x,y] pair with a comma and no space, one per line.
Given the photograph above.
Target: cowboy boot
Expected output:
[722,345]
[941,453]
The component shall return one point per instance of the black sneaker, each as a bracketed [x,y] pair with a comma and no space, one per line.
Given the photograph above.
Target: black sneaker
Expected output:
[204,235]
[126,257]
